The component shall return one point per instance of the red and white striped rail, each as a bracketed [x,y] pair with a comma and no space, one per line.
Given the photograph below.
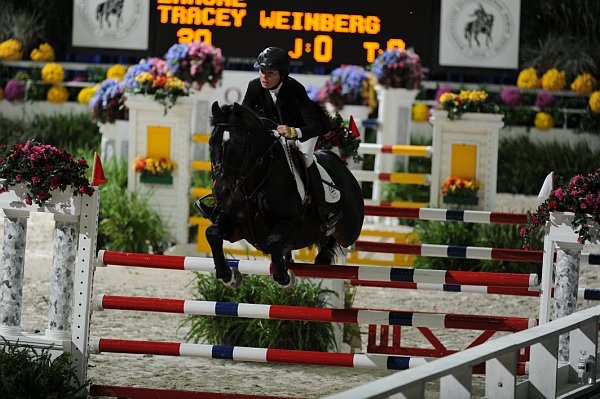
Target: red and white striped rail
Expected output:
[451,251]
[249,354]
[115,391]
[435,214]
[284,312]
[367,273]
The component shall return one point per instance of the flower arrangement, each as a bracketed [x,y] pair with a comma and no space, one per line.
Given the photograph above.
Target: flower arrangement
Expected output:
[11,50]
[196,63]
[57,94]
[466,101]
[543,121]
[457,187]
[85,95]
[544,100]
[108,102]
[153,166]
[53,73]
[116,71]
[528,79]
[594,102]
[420,112]
[440,91]
[398,68]
[343,136]
[348,85]
[511,96]
[14,90]
[554,80]
[44,52]
[581,196]
[42,168]
[150,77]
[584,83]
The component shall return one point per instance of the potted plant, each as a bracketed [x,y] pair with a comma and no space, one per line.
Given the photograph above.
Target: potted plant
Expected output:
[39,170]
[460,191]
[154,170]
[108,102]
[196,63]
[398,68]
[344,138]
[349,85]
[578,199]
[151,78]
[467,101]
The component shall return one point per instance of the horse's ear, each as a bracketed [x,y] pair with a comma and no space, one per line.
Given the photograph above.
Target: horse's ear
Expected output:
[237,109]
[216,110]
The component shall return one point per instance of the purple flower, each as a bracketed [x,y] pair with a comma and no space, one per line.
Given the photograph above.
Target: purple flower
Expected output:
[14,90]
[440,91]
[511,96]
[313,92]
[544,99]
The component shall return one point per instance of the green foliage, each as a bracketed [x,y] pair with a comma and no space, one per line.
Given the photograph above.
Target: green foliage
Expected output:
[473,234]
[127,223]
[282,334]
[523,164]
[69,132]
[26,372]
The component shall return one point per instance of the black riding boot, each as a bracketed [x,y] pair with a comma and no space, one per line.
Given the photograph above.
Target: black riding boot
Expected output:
[329,214]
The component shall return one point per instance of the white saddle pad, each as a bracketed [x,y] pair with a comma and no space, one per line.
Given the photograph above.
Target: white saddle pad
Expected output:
[332,194]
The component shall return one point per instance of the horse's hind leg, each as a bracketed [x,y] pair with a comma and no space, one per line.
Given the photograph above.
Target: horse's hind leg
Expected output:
[275,244]
[326,253]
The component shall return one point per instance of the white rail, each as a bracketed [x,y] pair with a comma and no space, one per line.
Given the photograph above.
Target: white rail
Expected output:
[547,378]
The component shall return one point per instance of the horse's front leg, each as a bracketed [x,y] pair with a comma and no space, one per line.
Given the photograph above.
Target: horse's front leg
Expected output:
[281,235]
[215,233]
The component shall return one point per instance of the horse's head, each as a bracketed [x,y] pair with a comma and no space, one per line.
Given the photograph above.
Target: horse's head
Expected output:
[237,140]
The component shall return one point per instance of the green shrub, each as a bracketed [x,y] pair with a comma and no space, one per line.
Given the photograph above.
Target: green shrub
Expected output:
[282,334]
[523,165]
[68,132]
[126,222]
[473,234]
[26,372]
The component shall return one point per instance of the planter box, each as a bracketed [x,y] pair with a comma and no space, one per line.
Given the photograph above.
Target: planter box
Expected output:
[452,199]
[156,179]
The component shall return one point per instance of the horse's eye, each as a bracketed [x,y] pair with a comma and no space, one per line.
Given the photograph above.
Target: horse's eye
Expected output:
[225,136]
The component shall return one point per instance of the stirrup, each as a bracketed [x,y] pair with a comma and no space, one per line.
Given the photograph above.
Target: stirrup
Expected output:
[206,207]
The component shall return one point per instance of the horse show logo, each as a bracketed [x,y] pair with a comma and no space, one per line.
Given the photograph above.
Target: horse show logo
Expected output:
[480,28]
[111,19]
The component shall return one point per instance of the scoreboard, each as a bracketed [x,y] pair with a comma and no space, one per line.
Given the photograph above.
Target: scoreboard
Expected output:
[314,32]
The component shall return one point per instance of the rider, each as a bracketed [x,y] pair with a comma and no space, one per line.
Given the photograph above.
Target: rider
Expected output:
[277,96]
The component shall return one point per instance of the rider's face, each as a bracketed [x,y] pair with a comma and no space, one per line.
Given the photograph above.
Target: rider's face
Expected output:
[269,78]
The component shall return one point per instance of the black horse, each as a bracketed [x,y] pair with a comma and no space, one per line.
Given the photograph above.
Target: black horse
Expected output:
[257,198]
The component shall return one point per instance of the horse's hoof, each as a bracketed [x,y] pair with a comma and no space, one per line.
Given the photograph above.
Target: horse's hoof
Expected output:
[286,280]
[235,281]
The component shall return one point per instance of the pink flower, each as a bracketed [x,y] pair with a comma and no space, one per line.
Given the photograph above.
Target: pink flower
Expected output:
[552,205]
[522,232]
[35,179]
[28,199]
[559,193]
[18,177]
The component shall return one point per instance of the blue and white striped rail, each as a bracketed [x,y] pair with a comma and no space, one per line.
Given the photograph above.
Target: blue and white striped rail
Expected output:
[450,215]
[368,273]
[589,259]
[303,313]
[248,354]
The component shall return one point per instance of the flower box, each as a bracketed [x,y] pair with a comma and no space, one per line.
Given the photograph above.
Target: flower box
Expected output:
[156,179]
[454,199]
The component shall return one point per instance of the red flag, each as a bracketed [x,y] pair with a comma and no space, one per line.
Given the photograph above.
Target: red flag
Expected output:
[97,172]
[353,127]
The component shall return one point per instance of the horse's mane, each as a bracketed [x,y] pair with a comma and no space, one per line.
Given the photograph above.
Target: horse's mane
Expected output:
[238,114]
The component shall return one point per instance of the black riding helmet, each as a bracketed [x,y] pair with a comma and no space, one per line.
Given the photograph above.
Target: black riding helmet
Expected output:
[274,58]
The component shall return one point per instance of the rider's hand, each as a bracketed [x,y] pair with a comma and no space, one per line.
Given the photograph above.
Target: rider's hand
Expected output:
[287,132]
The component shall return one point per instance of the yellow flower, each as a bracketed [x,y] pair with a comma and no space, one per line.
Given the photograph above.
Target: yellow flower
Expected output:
[85,94]
[57,94]
[144,77]
[174,84]
[11,50]
[446,97]
[53,73]
[116,72]
[584,83]
[420,112]
[554,80]
[477,95]
[594,102]
[543,121]
[528,79]
[44,52]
